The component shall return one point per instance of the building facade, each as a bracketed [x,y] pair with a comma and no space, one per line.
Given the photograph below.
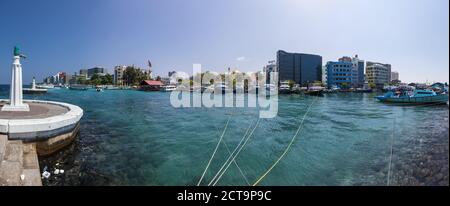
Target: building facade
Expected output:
[95,70]
[301,68]
[339,74]
[118,74]
[268,69]
[357,70]
[378,74]
[394,76]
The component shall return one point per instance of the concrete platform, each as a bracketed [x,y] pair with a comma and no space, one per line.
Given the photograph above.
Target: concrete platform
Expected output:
[46,128]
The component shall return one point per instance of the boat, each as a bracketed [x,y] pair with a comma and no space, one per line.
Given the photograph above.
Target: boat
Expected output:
[314,90]
[222,87]
[363,90]
[45,86]
[78,87]
[417,96]
[168,88]
[284,88]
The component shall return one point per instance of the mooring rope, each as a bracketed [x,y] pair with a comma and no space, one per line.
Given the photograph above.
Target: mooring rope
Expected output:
[215,150]
[229,153]
[390,157]
[234,157]
[289,145]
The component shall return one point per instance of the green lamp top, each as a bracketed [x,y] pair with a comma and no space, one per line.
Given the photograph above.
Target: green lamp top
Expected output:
[16,51]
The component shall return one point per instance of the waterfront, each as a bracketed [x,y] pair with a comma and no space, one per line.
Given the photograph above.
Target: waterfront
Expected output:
[137,138]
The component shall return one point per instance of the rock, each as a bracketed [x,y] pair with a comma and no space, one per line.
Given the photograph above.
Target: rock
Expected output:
[61,171]
[56,171]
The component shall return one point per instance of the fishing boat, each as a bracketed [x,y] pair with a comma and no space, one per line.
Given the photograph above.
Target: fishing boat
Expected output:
[414,97]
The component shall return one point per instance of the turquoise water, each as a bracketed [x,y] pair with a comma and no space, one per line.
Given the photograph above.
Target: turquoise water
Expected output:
[138,138]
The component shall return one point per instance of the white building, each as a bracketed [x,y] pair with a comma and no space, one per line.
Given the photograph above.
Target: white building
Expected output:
[394,76]
[118,74]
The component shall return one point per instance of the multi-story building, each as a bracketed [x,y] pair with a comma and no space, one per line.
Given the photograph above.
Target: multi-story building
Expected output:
[95,70]
[268,69]
[83,72]
[339,74]
[394,76]
[118,74]
[357,70]
[378,74]
[301,68]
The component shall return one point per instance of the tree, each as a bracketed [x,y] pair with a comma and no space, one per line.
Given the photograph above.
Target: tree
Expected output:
[291,84]
[96,79]
[158,78]
[344,85]
[133,75]
[372,85]
[107,79]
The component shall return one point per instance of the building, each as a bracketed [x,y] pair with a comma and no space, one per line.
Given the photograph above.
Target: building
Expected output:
[339,74]
[118,74]
[324,76]
[151,85]
[357,70]
[268,69]
[378,74]
[95,70]
[301,68]
[83,72]
[394,76]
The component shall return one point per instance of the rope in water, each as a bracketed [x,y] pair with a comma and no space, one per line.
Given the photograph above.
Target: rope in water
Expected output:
[234,157]
[392,151]
[229,152]
[215,150]
[288,147]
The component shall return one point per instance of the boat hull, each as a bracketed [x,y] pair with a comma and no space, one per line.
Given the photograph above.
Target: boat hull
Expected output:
[415,100]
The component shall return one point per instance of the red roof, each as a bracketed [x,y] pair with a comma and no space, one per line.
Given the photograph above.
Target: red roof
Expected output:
[152,83]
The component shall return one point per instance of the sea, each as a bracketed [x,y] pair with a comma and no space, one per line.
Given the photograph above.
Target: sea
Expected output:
[130,137]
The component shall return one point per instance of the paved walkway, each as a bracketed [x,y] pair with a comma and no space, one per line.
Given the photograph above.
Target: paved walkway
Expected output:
[19,164]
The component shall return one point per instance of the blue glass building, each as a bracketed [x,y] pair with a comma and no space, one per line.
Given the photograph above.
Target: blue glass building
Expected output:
[339,73]
[301,68]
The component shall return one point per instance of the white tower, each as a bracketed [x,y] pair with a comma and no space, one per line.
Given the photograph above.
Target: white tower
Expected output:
[16,103]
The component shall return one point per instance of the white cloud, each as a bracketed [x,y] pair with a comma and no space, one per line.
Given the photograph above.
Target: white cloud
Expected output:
[240,58]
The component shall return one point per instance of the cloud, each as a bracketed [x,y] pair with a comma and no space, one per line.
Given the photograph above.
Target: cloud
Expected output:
[240,58]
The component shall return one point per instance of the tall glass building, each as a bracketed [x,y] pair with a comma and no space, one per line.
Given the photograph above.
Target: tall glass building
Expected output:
[301,68]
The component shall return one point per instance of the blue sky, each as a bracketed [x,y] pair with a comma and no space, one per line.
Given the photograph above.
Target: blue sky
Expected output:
[412,35]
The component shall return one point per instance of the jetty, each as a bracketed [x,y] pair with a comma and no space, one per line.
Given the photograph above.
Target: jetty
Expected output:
[29,129]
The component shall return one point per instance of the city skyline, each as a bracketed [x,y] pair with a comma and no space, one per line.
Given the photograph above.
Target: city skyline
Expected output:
[412,36]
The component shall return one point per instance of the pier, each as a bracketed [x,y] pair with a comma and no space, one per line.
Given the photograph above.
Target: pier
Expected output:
[31,128]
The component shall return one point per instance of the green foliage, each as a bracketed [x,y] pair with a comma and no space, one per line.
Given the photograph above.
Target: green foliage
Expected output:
[372,85]
[291,83]
[133,76]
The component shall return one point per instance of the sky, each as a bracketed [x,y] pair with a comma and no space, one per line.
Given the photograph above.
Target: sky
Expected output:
[412,35]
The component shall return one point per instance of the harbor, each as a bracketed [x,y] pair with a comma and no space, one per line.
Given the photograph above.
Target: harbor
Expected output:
[346,140]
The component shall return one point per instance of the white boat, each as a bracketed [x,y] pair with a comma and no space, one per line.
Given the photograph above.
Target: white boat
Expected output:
[284,88]
[45,86]
[168,88]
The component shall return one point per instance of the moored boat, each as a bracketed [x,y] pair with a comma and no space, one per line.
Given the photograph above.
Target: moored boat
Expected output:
[414,97]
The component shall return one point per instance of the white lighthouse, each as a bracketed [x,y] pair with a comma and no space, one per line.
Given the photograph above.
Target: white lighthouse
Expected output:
[15,95]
